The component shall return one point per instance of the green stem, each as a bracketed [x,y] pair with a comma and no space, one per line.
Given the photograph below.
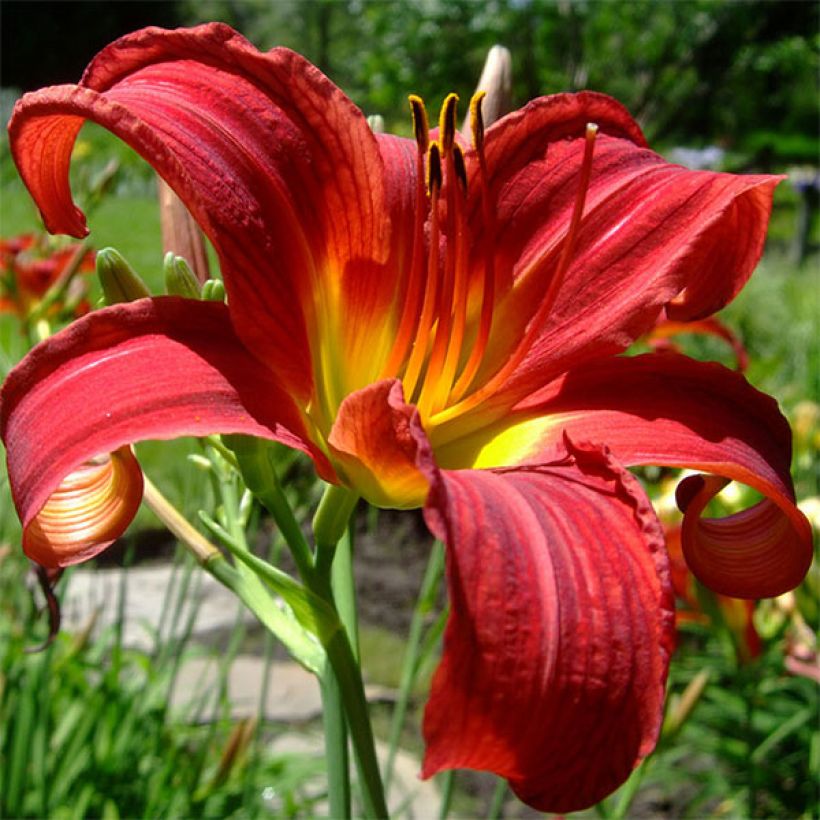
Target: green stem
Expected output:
[448,782]
[410,666]
[334,558]
[344,589]
[628,791]
[248,588]
[497,803]
[258,471]
[349,678]
[330,523]
[336,754]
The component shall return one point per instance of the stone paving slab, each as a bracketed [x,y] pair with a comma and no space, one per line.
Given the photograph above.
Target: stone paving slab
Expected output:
[92,591]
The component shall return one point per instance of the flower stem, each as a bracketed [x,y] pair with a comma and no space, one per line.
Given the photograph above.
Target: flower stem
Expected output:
[330,524]
[334,568]
[448,782]
[410,666]
[336,755]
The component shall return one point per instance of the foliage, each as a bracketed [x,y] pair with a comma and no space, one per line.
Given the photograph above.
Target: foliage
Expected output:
[743,74]
[87,730]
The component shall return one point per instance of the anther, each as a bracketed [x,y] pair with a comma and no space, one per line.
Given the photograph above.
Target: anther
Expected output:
[434,176]
[420,125]
[447,123]
[460,168]
[477,119]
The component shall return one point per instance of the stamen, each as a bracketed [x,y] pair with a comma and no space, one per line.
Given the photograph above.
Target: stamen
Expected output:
[537,322]
[434,175]
[412,300]
[489,290]
[460,169]
[444,313]
[477,120]
[422,340]
[420,127]
[447,123]
[457,314]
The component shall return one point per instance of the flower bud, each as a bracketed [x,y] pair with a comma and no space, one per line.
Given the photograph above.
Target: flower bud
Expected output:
[213,291]
[120,282]
[179,278]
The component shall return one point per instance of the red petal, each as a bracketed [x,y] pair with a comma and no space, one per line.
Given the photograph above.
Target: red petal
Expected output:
[376,442]
[660,335]
[92,507]
[653,233]
[275,163]
[667,409]
[561,625]
[158,369]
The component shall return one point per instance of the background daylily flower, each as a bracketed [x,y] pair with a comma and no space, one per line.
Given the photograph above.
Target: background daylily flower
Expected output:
[437,325]
[29,268]
[737,614]
[662,337]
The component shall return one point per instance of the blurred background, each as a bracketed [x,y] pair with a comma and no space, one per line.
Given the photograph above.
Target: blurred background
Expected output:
[742,75]
[138,708]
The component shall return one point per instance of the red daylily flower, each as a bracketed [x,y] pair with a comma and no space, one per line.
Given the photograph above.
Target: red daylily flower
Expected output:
[662,336]
[436,325]
[28,269]
[736,613]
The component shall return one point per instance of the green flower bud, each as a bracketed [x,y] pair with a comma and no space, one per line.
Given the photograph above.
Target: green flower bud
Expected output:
[120,282]
[179,278]
[213,291]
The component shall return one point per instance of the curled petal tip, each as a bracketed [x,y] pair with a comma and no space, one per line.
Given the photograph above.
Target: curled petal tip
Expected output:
[759,552]
[90,509]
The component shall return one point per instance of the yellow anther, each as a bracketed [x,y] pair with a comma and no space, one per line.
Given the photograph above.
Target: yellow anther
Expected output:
[459,168]
[420,125]
[434,177]
[477,119]
[447,123]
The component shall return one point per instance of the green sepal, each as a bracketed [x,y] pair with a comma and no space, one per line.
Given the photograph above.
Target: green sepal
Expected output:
[120,282]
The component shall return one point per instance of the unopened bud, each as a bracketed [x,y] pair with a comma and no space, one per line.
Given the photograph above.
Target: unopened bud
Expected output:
[376,123]
[179,278]
[120,282]
[213,291]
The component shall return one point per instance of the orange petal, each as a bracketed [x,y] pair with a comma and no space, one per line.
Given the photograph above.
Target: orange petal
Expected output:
[90,509]
[375,445]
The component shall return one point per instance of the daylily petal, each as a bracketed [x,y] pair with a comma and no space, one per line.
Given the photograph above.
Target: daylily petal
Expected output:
[660,337]
[759,552]
[653,235]
[375,444]
[91,508]
[561,626]
[275,163]
[667,409]
[155,368]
